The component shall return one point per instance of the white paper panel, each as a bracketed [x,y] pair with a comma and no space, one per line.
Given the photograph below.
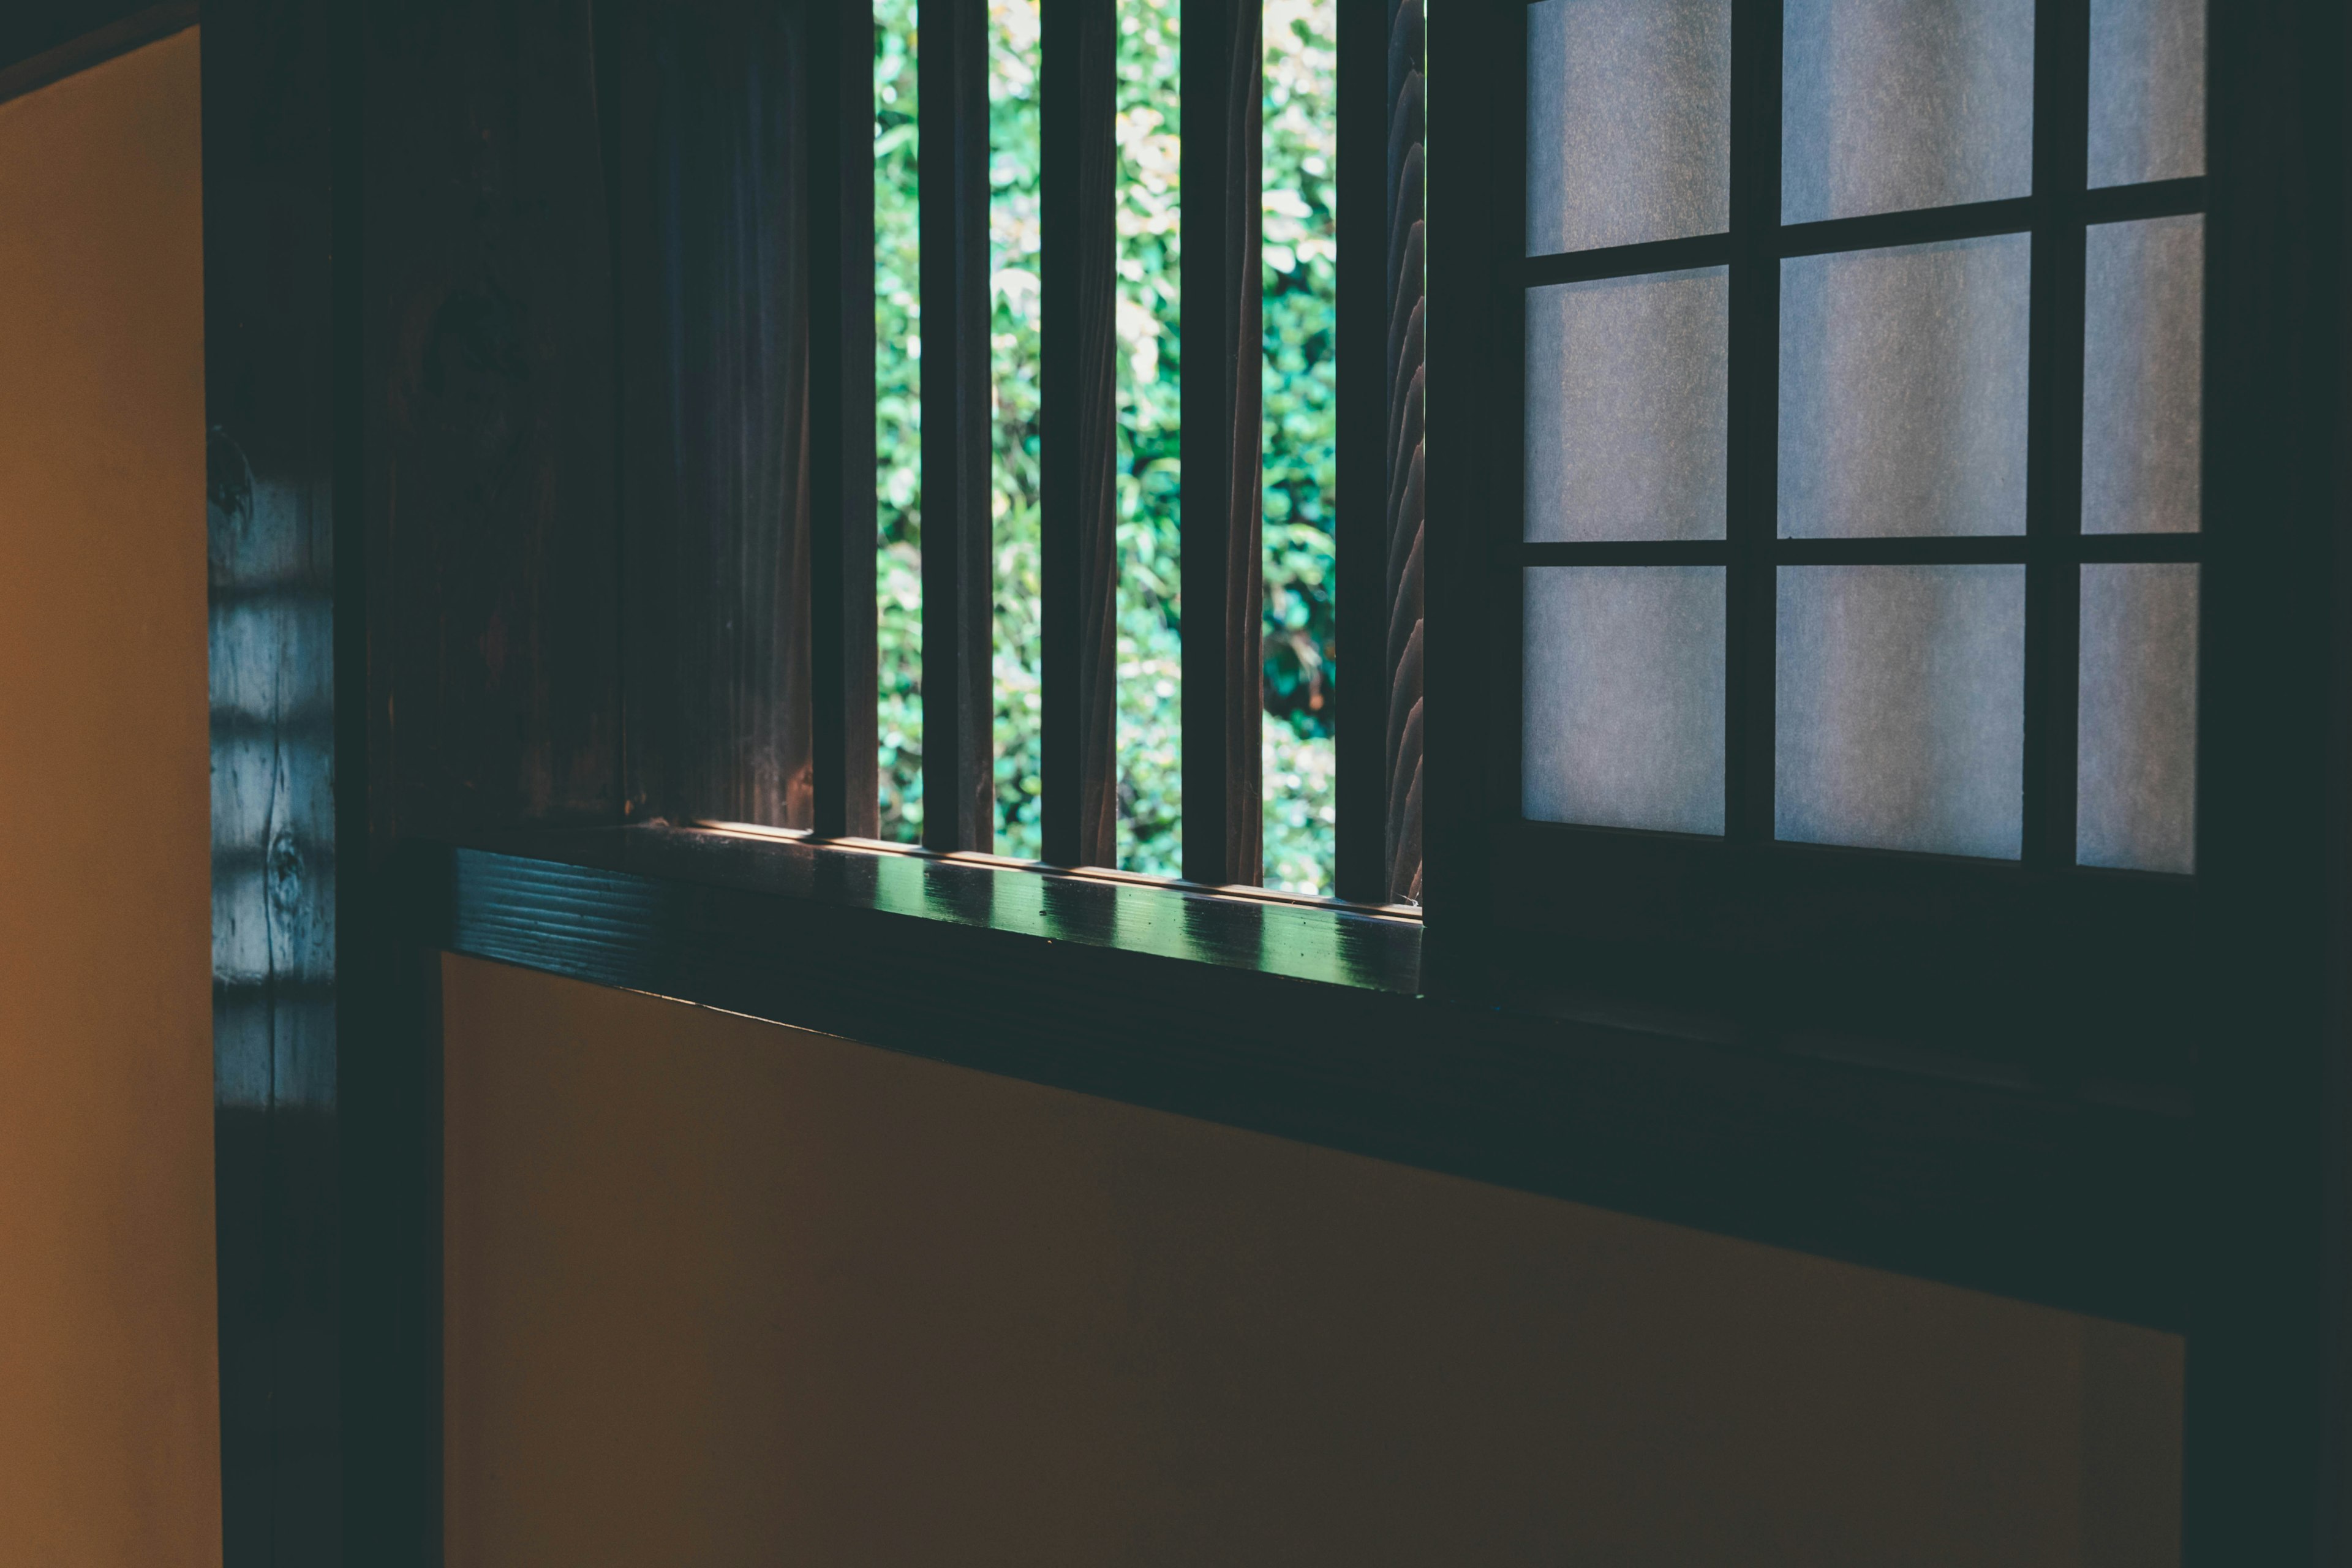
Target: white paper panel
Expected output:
[1901,708]
[2143,369]
[1626,392]
[1622,697]
[1629,121]
[2147,90]
[2136,757]
[1903,390]
[1888,105]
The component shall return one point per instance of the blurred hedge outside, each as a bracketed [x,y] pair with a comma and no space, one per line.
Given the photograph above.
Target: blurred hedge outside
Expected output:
[1300,256]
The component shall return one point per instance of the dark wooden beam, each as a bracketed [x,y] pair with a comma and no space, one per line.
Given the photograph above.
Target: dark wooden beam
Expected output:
[277,692]
[959,763]
[490,379]
[1080,436]
[1223,573]
[704,105]
[841,604]
[1470,612]
[2270,1321]
[42,41]
[1301,1021]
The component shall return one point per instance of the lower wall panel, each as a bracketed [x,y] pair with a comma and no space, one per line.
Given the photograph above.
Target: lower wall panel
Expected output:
[723,1292]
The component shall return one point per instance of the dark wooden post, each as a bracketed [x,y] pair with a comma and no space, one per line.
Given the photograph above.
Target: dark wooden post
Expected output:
[1222,572]
[842,606]
[2270,1328]
[959,786]
[1080,436]
[703,109]
[277,986]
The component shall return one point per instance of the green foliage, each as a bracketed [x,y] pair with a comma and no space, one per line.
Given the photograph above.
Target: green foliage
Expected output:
[899,420]
[1298,433]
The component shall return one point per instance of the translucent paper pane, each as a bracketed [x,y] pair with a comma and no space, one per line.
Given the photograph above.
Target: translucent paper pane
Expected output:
[2143,365]
[1903,390]
[1624,697]
[1893,104]
[2135,758]
[1901,708]
[2147,90]
[1625,407]
[1629,119]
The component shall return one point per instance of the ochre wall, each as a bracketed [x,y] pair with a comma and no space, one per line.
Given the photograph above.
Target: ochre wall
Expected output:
[722,1292]
[109,1409]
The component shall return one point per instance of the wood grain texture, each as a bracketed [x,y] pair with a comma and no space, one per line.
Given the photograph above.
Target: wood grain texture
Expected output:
[959,708]
[1222,570]
[491,424]
[707,100]
[1407,457]
[844,608]
[270,403]
[1079,455]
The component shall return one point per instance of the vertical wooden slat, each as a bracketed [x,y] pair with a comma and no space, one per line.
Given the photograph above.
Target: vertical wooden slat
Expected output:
[1362,566]
[951,67]
[842,614]
[1080,433]
[1405,458]
[269,365]
[710,268]
[1222,572]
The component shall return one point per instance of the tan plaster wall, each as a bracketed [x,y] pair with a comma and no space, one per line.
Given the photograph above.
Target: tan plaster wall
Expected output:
[109,1406]
[723,1292]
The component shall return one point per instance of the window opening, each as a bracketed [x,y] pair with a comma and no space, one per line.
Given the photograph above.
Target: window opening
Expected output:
[1151,280]
[1300,247]
[1016,309]
[898,419]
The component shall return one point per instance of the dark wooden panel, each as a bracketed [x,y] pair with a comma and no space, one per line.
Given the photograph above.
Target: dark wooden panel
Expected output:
[270,364]
[842,606]
[490,435]
[1223,571]
[1300,1022]
[2269,1347]
[705,104]
[959,713]
[1079,501]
